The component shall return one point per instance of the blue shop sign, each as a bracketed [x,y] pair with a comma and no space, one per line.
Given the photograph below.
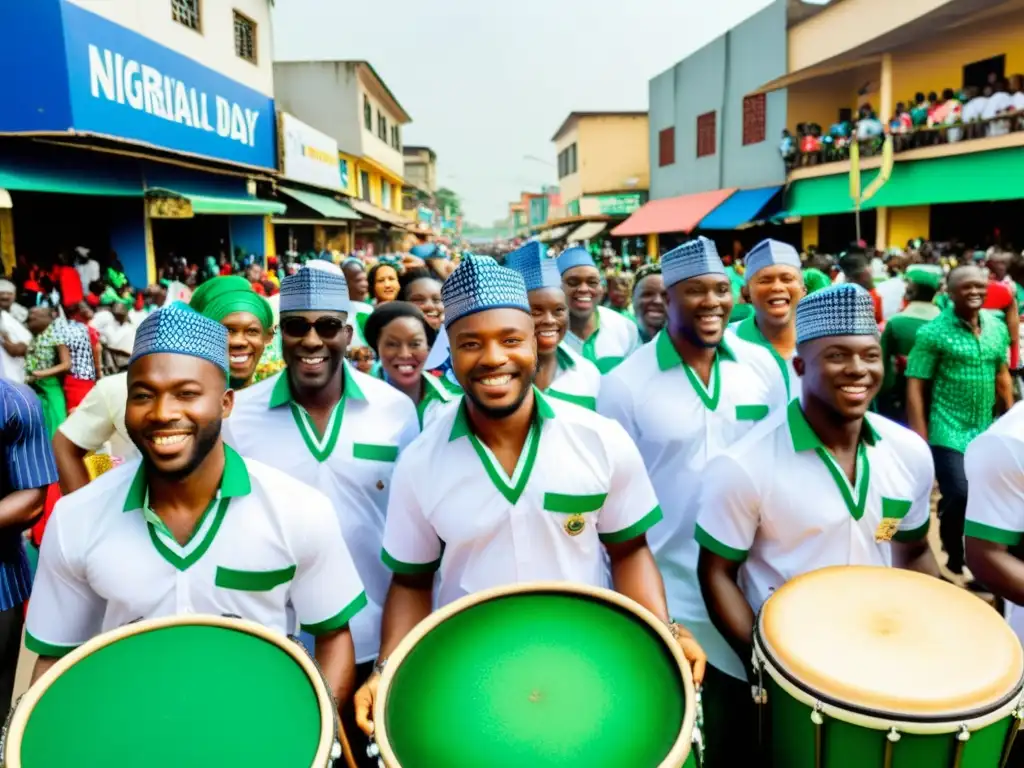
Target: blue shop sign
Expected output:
[118,83]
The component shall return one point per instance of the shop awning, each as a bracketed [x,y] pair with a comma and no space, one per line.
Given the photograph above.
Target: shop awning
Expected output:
[556,233]
[223,204]
[672,214]
[66,182]
[743,207]
[326,206]
[374,212]
[586,231]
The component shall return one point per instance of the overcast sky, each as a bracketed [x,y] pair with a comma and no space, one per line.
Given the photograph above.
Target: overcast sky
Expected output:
[487,83]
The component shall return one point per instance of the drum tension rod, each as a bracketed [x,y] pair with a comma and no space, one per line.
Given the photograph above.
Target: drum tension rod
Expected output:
[1011,736]
[890,743]
[819,735]
[962,737]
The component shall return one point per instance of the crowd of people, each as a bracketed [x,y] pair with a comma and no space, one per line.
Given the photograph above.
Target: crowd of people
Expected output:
[692,432]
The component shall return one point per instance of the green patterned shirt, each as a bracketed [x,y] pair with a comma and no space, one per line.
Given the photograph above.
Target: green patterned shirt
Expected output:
[962,368]
[42,350]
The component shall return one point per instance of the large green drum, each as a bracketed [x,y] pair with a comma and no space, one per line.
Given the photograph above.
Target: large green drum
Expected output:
[543,675]
[195,691]
[864,667]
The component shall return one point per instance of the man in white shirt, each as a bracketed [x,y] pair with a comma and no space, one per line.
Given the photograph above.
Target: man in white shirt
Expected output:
[8,304]
[333,428]
[510,485]
[819,483]
[998,103]
[974,105]
[601,335]
[774,286]
[14,336]
[684,396]
[193,527]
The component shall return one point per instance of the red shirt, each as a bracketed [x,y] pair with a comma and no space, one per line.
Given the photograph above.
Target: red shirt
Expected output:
[70,285]
[998,297]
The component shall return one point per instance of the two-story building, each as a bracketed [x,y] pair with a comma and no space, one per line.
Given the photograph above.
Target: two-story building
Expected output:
[143,127]
[350,102]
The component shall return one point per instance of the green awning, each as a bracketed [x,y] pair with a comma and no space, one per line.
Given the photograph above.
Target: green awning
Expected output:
[326,206]
[56,181]
[225,205]
[969,178]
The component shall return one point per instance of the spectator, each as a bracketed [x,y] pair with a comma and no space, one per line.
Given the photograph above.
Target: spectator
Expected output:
[1001,298]
[14,337]
[83,344]
[1017,92]
[856,268]
[868,124]
[998,103]
[919,112]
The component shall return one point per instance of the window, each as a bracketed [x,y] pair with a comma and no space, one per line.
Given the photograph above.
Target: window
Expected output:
[980,73]
[706,134]
[753,119]
[667,147]
[385,194]
[245,37]
[396,139]
[364,185]
[367,114]
[382,126]
[567,161]
[186,12]
[572,158]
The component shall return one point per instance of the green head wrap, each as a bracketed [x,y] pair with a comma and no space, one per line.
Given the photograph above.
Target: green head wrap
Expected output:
[925,274]
[815,280]
[221,296]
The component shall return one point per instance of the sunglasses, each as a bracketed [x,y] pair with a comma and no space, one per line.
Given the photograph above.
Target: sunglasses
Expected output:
[298,327]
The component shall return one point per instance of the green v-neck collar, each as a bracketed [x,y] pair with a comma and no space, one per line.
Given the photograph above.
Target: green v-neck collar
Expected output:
[320,446]
[435,390]
[748,331]
[668,358]
[589,349]
[510,487]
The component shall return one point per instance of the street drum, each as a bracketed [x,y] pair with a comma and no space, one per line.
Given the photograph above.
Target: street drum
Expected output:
[861,667]
[545,675]
[196,691]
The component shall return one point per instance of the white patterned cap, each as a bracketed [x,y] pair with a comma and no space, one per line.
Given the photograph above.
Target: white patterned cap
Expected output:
[179,330]
[315,289]
[577,256]
[479,283]
[770,253]
[691,259]
[839,310]
[532,262]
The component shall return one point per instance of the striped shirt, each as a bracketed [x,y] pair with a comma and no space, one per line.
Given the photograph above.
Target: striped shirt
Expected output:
[28,463]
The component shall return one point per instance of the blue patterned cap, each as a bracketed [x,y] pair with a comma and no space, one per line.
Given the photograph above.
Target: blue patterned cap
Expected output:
[532,262]
[691,259]
[770,253]
[576,256]
[315,290]
[179,330]
[839,310]
[427,251]
[479,283]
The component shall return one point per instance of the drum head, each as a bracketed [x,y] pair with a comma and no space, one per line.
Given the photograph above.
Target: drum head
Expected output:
[202,696]
[539,679]
[891,642]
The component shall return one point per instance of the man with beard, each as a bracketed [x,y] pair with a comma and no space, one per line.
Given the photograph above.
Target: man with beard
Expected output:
[817,484]
[774,286]
[561,373]
[649,301]
[333,428]
[511,485]
[682,398]
[601,335]
[193,527]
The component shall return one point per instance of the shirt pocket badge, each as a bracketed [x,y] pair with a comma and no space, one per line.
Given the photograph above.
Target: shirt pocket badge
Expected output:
[575,506]
[751,412]
[893,512]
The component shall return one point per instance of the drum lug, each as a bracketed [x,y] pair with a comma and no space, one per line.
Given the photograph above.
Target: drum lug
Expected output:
[962,737]
[819,735]
[1011,737]
[891,738]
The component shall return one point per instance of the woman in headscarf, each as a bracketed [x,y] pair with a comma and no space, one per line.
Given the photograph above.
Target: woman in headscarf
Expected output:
[233,303]
[401,337]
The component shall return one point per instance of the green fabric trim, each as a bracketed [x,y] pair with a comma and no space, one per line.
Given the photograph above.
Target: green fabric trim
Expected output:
[854,506]
[572,504]
[711,394]
[461,428]
[307,429]
[748,331]
[234,482]
[253,581]
[564,359]
[751,412]
[590,403]
[408,568]
[608,364]
[282,391]
[914,534]
[638,528]
[40,648]
[668,358]
[510,493]
[340,619]
[985,532]
[804,437]
[369,452]
[184,563]
[896,509]
[712,544]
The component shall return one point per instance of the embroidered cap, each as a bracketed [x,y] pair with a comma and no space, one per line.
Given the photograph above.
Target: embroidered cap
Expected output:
[315,289]
[771,253]
[839,310]
[574,257]
[178,330]
[538,271]
[691,259]
[479,283]
[929,275]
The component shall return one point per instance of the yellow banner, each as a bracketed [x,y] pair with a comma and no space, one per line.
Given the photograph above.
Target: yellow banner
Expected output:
[883,174]
[855,172]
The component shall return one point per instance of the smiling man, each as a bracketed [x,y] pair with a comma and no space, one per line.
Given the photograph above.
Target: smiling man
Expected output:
[601,335]
[333,428]
[819,483]
[774,286]
[512,486]
[561,372]
[192,527]
[683,397]
[649,301]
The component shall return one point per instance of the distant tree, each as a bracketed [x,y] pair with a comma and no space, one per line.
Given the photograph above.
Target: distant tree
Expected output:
[448,202]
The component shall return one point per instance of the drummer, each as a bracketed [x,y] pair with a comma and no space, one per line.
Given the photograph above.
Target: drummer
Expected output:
[561,372]
[511,485]
[193,527]
[819,483]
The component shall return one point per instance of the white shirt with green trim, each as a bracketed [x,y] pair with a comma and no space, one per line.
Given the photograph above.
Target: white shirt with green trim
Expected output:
[616,338]
[779,502]
[579,482]
[994,465]
[679,424]
[356,318]
[267,545]
[576,379]
[351,463]
[748,331]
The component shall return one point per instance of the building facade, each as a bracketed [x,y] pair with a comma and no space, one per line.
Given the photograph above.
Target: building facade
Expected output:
[420,168]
